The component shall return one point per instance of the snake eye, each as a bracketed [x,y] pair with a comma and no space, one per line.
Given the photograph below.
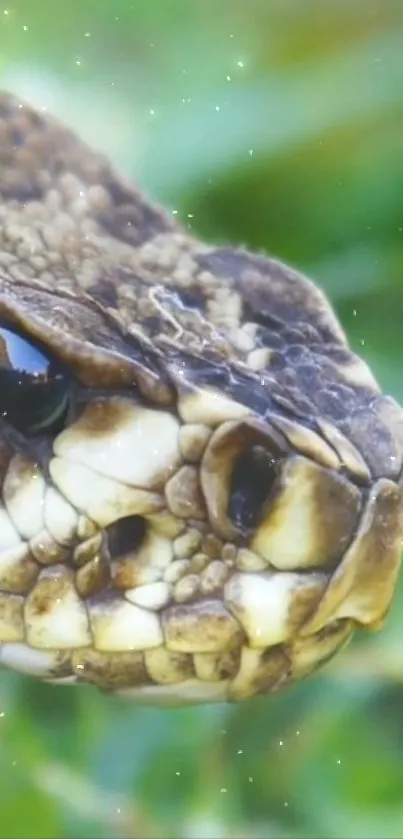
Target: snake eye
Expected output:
[34,388]
[254,475]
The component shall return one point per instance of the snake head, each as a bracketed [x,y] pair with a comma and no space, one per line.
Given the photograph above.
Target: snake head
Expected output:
[200,481]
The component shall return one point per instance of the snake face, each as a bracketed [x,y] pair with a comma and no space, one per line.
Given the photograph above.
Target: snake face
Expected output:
[200,482]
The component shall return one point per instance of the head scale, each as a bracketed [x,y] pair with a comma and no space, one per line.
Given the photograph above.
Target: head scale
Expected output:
[200,482]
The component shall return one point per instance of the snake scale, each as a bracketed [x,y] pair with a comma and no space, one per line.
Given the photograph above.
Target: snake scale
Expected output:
[201,491]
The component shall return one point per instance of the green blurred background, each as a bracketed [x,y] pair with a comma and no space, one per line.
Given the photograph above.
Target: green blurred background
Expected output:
[277,124]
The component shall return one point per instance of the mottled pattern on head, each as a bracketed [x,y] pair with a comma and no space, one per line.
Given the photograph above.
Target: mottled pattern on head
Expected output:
[188,360]
[117,286]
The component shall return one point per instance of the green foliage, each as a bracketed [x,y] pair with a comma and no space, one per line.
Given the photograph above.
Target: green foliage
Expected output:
[278,125]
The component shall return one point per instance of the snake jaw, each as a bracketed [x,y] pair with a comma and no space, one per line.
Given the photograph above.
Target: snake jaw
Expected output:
[218,522]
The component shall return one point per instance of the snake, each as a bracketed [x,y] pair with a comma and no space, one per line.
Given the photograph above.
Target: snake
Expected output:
[200,481]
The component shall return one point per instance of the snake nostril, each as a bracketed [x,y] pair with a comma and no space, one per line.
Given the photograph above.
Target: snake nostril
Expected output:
[254,476]
[126,535]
